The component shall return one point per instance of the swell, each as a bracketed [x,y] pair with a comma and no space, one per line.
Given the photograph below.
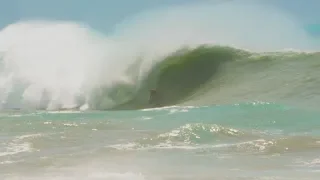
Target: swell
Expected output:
[180,74]
[253,128]
[208,138]
[208,75]
[256,128]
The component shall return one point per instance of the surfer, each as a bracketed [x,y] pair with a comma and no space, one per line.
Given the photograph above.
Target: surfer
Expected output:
[154,98]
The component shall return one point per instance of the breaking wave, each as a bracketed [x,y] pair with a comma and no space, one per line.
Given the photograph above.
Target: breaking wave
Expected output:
[179,51]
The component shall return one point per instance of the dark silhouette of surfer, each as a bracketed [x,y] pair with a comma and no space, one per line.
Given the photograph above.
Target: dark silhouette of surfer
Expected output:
[154,98]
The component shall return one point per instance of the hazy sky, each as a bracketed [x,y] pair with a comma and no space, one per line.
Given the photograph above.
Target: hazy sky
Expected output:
[104,14]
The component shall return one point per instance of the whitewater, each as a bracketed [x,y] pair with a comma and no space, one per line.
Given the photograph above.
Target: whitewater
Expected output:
[239,86]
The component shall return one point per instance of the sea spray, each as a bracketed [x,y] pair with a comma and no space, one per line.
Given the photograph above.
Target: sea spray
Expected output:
[64,59]
[69,62]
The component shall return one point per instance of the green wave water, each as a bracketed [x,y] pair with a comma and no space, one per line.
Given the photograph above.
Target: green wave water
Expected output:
[208,75]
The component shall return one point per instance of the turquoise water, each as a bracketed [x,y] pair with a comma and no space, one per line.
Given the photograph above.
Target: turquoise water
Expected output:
[240,141]
[74,103]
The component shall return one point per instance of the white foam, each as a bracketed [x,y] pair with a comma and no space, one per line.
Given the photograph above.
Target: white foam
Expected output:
[15,148]
[18,145]
[165,146]
[57,64]
[82,173]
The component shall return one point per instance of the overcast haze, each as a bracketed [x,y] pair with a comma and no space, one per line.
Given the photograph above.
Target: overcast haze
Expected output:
[104,14]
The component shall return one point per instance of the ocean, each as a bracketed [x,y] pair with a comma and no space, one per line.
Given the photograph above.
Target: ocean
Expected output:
[270,131]
[232,102]
[240,141]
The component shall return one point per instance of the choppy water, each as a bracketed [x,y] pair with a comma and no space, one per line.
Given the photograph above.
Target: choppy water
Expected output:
[241,141]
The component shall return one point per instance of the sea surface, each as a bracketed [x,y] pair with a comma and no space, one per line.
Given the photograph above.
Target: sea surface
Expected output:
[237,141]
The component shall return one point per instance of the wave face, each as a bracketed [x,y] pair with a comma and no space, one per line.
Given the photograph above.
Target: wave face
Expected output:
[66,65]
[223,75]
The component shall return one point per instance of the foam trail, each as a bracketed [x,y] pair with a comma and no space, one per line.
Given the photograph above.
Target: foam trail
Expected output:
[60,61]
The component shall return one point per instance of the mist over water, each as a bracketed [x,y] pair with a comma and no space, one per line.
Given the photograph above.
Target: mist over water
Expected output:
[57,64]
[249,25]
